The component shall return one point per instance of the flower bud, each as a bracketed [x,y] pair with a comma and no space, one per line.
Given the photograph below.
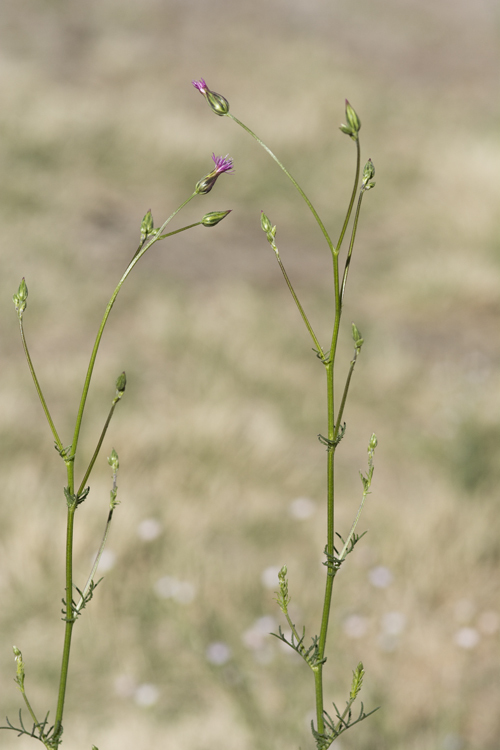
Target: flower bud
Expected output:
[213,218]
[113,461]
[17,652]
[20,299]
[217,102]
[368,175]
[268,228]
[121,383]
[265,223]
[353,122]
[147,225]
[373,442]
[358,339]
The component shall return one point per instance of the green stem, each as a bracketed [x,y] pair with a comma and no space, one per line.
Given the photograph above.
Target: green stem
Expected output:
[333,429]
[97,449]
[38,389]
[292,179]
[299,306]
[70,621]
[353,196]
[31,712]
[344,395]
[351,245]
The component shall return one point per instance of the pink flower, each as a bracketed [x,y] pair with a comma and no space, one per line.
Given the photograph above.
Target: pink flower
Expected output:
[222,164]
[200,85]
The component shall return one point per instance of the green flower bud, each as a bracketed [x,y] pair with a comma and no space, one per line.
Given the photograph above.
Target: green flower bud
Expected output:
[113,461]
[353,122]
[268,228]
[147,225]
[358,339]
[282,573]
[352,117]
[121,383]
[17,652]
[368,175]
[213,218]
[265,223]
[20,299]
[373,442]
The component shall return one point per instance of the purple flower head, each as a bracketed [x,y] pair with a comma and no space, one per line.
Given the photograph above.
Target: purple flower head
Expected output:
[223,164]
[217,102]
[200,85]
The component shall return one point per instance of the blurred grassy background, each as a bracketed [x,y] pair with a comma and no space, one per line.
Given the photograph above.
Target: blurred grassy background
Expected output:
[222,479]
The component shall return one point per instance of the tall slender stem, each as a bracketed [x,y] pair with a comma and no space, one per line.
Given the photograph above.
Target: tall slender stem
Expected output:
[333,430]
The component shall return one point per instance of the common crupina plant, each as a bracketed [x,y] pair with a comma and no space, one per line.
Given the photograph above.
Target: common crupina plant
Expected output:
[50,733]
[327,727]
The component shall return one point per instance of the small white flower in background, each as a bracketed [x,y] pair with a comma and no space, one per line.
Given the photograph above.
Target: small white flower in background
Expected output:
[467,637]
[259,640]
[218,653]
[393,623]
[107,561]
[149,529]
[146,695]
[302,508]
[380,577]
[269,577]
[258,634]
[169,587]
[355,626]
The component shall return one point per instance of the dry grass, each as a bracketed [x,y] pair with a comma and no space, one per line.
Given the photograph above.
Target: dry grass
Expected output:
[216,433]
